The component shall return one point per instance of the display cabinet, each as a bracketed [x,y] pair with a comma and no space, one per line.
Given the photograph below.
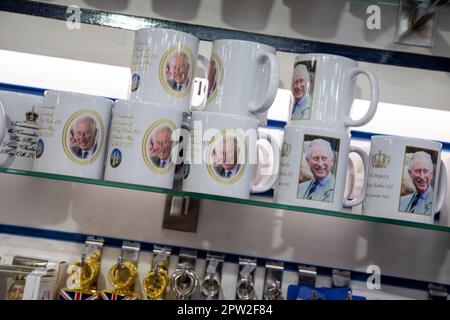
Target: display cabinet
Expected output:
[61,211]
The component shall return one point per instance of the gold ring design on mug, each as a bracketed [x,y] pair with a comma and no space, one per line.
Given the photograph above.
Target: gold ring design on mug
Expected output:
[148,134]
[242,144]
[273,292]
[66,128]
[115,277]
[155,283]
[210,286]
[184,282]
[245,289]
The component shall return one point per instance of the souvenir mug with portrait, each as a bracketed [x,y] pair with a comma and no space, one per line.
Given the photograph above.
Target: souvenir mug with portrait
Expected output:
[243,77]
[313,168]
[407,179]
[18,146]
[2,122]
[323,87]
[73,133]
[163,67]
[141,144]
[222,156]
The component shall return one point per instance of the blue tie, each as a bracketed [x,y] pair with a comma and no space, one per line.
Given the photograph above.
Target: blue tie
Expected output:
[413,204]
[312,189]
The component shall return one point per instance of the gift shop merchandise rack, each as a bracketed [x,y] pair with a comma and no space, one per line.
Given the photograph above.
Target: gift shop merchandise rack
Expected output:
[48,215]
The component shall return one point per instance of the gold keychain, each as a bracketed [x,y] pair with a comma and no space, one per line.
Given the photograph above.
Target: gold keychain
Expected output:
[82,279]
[83,275]
[157,280]
[123,276]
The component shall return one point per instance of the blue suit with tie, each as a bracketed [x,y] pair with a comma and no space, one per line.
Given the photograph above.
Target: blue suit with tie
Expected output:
[420,203]
[302,108]
[312,189]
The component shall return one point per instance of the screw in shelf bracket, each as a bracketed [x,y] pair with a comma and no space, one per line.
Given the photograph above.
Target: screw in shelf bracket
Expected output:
[93,244]
[245,287]
[417,21]
[181,213]
[341,279]
[130,252]
[184,281]
[187,258]
[437,292]
[307,275]
[158,249]
[273,281]
[212,278]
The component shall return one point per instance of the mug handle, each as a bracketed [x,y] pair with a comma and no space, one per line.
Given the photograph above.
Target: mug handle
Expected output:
[442,188]
[2,122]
[264,143]
[365,158]
[351,181]
[204,62]
[274,79]
[349,122]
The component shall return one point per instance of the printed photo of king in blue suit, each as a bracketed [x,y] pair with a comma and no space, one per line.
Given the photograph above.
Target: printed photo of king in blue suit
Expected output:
[417,183]
[317,169]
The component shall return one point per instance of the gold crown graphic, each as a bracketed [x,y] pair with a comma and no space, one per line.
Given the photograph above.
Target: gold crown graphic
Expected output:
[31,116]
[380,160]
[286,149]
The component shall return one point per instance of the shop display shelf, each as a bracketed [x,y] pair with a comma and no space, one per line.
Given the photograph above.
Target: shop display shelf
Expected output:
[129,22]
[208,33]
[254,201]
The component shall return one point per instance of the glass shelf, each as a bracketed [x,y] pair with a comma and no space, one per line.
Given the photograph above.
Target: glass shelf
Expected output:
[259,201]
[207,33]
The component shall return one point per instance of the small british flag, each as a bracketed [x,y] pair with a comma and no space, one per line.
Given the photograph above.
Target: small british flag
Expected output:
[76,295]
[105,295]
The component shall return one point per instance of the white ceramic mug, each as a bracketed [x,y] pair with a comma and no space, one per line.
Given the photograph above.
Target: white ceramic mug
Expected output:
[18,145]
[2,121]
[222,156]
[141,145]
[407,179]
[323,87]
[163,67]
[243,77]
[73,132]
[313,168]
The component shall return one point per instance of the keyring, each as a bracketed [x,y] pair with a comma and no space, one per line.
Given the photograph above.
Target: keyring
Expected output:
[155,283]
[210,286]
[89,272]
[245,289]
[273,292]
[115,277]
[184,282]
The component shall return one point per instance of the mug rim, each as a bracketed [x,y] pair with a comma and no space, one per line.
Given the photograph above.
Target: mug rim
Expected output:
[334,56]
[147,29]
[268,47]
[78,94]
[223,115]
[146,104]
[316,128]
[437,144]
[23,94]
